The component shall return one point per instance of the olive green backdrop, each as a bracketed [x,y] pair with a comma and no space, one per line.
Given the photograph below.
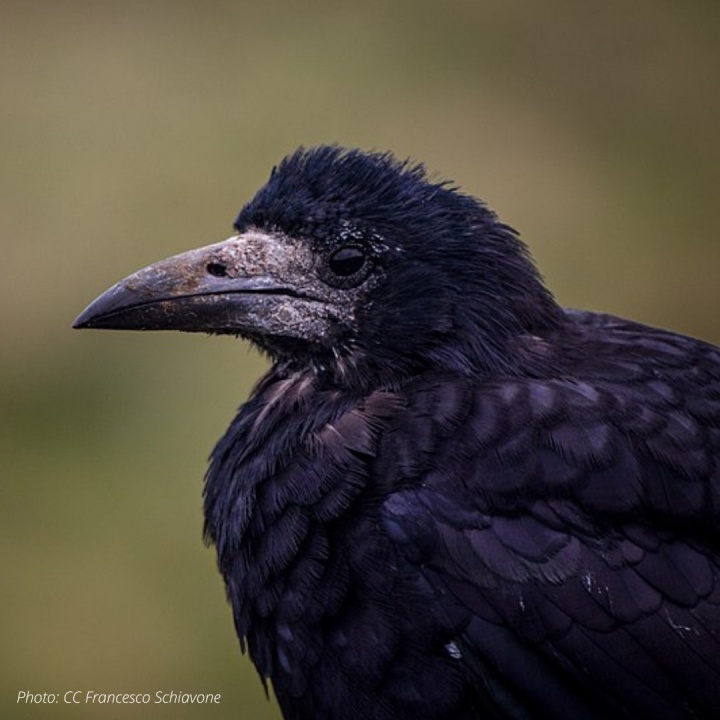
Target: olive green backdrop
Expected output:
[134,130]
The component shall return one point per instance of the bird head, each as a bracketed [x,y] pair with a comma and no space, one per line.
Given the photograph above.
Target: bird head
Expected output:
[355,265]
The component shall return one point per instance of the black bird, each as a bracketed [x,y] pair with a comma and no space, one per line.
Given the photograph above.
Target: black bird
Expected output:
[449,497]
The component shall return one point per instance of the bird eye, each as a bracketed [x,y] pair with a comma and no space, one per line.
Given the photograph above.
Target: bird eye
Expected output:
[347,261]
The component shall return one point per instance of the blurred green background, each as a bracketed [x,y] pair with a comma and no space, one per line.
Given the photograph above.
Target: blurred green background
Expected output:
[134,130]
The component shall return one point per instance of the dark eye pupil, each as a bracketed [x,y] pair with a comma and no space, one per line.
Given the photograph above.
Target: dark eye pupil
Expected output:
[347,261]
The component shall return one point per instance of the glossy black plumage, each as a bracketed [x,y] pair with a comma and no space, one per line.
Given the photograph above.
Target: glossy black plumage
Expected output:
[459,500]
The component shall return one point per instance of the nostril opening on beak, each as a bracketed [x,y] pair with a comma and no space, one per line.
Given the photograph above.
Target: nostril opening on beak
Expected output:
[217,269]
